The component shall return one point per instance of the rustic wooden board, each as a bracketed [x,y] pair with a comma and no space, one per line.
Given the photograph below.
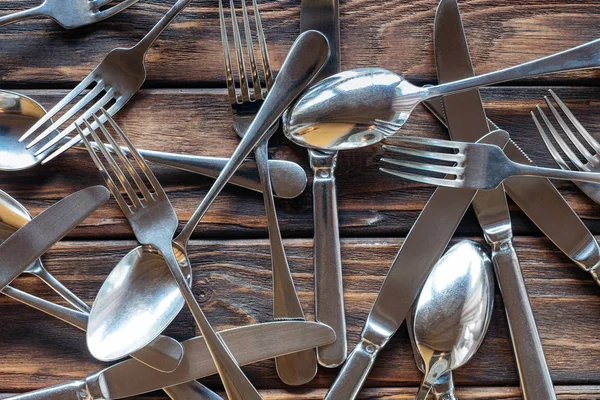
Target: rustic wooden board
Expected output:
[370,203]
[395,34]
[233,283]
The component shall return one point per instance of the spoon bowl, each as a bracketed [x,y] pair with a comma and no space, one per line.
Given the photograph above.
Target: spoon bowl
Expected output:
[450,318]
[18,113]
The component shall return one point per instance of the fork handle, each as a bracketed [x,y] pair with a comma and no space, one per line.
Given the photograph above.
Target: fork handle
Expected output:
[552,173]
[581,57]
[147,41]
[38,11]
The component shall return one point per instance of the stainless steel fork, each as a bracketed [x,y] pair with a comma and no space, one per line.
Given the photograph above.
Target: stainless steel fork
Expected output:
[110,86]
[154,223]
[70,14]
[592,158]
[298,368]
[479,166]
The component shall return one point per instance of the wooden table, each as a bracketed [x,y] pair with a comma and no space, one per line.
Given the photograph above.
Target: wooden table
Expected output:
[183,108]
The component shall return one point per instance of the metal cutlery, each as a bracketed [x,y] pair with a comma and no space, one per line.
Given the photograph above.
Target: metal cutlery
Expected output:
[32,240]
[297,368]
[480,166]
[248,344]
[591,157]
[124,335]
[154,222]
[451,315]
[323,16]
[70,14]
[366,104]
[466,120]
[110,86]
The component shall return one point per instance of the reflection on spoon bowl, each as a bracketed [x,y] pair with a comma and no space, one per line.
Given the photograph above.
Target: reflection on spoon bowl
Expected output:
[17,114]
[126,311]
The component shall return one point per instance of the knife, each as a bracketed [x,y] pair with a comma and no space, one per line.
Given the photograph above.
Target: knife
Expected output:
[323,16]
[31,241]
[466,121]
[248,344]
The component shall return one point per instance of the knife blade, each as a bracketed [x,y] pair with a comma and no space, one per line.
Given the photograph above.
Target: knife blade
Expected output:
[248,344]
[323,16]
[466,120]
[31,241]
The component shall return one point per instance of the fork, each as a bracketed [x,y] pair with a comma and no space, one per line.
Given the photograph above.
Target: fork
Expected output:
[479,166]
[110,86]
[70,14]
[298,368]
[154,222]
[592,161]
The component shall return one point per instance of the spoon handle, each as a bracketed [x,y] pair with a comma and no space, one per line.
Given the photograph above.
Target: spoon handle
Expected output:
[23,15]
[581,57]
[147,41]
[49,279]
[304,61]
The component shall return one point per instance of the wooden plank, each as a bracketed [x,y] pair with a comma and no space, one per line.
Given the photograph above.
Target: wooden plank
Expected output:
[370,203]
[396,35]
[233,283]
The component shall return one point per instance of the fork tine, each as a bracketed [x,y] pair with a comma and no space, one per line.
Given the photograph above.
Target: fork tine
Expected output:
[87,114]
[553,151]
[114,166]
[586,154]
[128,166]
[69,114]
[457,158]
[228,70]
[448,144]
[244,91]
[440,169]
[59,106]
[112,187]
[256,89]
[262,44]
[561,142]
[113,10]
[136,155]
[424,179]
[100,3]
[589,138]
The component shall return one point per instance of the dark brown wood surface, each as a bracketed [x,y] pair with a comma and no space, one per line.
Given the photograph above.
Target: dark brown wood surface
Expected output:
[183,108]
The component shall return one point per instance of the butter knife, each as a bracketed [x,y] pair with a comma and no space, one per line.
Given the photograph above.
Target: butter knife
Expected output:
[248,344]
[32,240]
[466,121]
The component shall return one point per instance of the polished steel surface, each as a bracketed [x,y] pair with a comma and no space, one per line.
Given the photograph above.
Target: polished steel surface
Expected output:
[359,107]
[32,240]
[248,344]
[298,368]
[590,156]
[117,78]
[70,14]
[154,222]
[480,166]
[466,120]
[323,16]
[450,317]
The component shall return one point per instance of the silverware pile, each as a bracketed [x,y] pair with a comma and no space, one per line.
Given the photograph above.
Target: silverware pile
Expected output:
[446,300]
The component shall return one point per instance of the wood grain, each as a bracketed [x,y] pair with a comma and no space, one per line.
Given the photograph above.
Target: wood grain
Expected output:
[233,283]
[371,203]
[394,34]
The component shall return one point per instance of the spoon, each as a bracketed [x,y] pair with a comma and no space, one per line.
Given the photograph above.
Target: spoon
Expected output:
[360,107]
[451,315]
[18,113]
[140,298]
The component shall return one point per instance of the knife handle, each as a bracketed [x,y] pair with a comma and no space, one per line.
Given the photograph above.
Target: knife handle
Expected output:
[75,390]
[327,259]
[354,373]
[536,382]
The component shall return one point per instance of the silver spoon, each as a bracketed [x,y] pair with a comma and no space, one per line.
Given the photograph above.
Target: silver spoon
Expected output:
[18,113]
[451,315]
[140,298]
[360,107]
